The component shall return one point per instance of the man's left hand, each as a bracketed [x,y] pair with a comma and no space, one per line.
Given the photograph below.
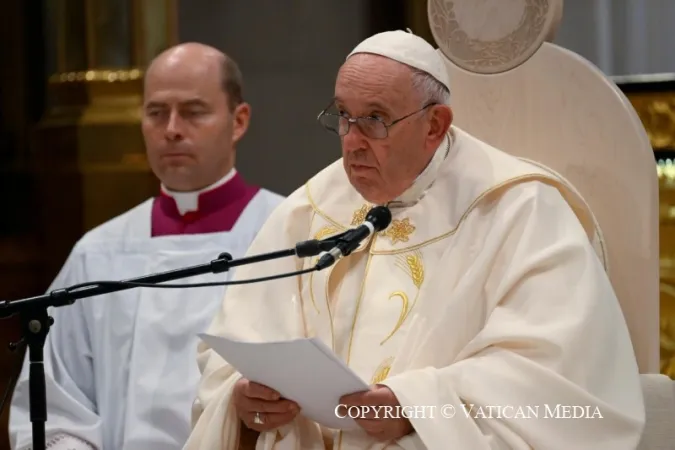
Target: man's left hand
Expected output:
[379,413]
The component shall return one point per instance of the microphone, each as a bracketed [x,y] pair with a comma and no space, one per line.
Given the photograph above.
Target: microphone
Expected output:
[377,219]
[313,247]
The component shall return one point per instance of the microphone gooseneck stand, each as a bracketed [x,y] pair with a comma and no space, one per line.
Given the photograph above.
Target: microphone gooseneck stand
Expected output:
[35,320]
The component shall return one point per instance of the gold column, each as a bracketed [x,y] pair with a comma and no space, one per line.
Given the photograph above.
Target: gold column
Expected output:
[88,151]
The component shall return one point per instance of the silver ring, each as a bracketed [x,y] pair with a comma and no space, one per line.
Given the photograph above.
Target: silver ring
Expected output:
[257,419]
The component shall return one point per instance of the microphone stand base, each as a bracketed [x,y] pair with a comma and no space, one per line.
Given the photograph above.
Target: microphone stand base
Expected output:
[35,325]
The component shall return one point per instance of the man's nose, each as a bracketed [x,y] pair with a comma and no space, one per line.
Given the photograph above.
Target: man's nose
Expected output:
[354,139]
[174,128]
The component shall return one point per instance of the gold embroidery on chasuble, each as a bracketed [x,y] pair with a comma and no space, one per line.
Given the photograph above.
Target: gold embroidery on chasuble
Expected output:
[382,371]
[399,231]
[391,286]
[325,231]
[360,215]
[352,296]
[411,264]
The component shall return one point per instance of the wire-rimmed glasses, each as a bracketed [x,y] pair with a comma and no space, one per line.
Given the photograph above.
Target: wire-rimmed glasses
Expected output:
[372,127]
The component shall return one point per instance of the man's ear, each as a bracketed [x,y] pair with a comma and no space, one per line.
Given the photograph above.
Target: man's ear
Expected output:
[241,118]
[440,121]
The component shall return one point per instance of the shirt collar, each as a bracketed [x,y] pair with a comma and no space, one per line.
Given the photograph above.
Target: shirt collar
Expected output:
[189,201]
[425,179]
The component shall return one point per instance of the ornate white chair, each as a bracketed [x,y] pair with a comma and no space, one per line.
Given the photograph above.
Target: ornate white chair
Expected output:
[521,93]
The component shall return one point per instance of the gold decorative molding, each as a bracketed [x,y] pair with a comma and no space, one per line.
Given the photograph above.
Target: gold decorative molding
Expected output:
[107,76]
[95,97]
[98,51]
[657,113]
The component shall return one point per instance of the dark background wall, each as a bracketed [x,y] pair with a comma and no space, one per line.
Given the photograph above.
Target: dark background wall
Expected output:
[289,53]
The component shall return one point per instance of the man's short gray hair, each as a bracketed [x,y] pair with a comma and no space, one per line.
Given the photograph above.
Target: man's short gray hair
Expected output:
[232,82]
[429,88]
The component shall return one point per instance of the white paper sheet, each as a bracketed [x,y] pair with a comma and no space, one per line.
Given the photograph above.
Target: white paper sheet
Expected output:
[303,370]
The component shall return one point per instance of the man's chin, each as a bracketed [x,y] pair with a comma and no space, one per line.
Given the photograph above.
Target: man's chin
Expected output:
[368,189]
[177,160]
[178,179]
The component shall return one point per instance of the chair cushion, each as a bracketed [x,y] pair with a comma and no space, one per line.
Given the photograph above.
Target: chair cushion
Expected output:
[659,396]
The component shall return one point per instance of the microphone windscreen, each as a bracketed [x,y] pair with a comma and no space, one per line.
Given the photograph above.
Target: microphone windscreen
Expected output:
[380,217]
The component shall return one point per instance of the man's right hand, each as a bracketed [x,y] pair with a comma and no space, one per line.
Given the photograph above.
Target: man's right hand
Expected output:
[253,398]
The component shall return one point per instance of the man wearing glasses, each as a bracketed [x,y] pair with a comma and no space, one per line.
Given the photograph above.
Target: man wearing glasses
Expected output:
[479,298]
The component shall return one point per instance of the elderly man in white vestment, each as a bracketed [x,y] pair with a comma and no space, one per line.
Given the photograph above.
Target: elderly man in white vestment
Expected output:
[120,368]
[484,292]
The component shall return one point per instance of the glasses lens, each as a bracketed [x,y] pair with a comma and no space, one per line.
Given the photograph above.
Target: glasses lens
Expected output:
[330,122]
[339,125]
[372,128]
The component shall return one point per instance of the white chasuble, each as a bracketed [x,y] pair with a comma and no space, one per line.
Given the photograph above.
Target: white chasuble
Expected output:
[120,368]
[485,294]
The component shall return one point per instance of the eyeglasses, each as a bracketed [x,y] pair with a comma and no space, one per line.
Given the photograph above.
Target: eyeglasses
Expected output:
[372,127]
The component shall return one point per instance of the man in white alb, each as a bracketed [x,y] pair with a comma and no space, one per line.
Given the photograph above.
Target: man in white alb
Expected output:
[120,368]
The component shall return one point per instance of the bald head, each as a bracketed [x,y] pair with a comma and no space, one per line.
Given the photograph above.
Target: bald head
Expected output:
[198,61]
[194,115]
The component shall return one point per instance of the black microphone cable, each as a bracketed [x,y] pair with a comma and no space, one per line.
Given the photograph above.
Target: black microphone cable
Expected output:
[91,284]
